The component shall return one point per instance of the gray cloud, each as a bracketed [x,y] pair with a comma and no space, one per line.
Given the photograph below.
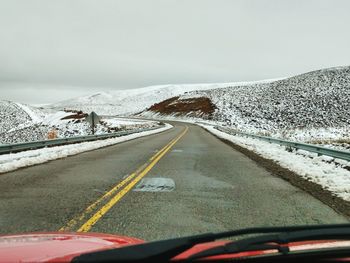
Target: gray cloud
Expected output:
[111,44]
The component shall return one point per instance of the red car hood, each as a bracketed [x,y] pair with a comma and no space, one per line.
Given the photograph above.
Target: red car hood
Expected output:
[57,246]
[63,247]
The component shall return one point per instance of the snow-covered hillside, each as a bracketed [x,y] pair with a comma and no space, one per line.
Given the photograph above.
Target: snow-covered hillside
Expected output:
[132,101]
[19,122]
[308,107]
[12,116]
[24,123]
[311,106]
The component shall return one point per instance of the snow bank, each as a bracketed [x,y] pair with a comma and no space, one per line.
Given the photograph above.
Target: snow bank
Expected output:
[10,162]
[115,122]
[330,176]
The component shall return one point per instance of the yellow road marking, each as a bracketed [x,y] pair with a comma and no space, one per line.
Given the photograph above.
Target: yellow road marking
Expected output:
[91,207]
[93,220]
[159,152]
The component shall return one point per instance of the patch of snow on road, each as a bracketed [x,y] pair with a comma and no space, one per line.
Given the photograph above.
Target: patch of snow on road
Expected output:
[10,162]
[330,176]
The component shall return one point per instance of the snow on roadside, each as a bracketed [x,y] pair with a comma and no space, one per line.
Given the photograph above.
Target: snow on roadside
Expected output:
[116,122]
[330,176]
[10,162]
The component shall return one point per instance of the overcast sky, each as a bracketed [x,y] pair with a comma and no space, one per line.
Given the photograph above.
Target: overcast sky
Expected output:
[52,50]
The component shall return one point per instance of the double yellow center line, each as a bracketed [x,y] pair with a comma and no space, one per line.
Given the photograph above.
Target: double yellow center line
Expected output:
[128,183]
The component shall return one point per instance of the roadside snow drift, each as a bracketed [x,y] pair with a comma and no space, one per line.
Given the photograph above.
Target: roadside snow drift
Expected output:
[10,162]
[330,176]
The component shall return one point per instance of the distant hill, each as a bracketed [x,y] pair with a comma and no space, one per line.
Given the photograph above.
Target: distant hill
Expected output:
[132,101]
[314,100]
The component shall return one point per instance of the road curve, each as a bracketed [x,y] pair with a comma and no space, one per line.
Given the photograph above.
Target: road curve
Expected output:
[179,182]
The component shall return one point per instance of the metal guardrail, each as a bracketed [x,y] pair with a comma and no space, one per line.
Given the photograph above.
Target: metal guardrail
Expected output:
[344,155]
[18,147]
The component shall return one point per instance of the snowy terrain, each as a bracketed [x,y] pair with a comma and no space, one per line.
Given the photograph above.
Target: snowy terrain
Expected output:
[12,117]
[132,101]
[309,107]
[10,162]
[312,107]
[24,123]
[330,176]
[17,123]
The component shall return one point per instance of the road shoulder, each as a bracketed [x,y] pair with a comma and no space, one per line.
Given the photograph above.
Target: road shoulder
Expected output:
[325,196]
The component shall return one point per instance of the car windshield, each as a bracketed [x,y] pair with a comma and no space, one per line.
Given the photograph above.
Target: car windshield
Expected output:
[138,121]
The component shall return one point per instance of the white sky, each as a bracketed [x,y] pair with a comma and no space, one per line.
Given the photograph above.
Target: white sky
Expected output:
[52,50]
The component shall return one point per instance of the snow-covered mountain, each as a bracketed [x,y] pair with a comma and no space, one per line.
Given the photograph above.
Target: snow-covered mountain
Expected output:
[312,105]
[132,101]
[319,99]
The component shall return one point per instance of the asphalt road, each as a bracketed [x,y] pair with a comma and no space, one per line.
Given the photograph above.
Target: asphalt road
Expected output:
[179,182]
